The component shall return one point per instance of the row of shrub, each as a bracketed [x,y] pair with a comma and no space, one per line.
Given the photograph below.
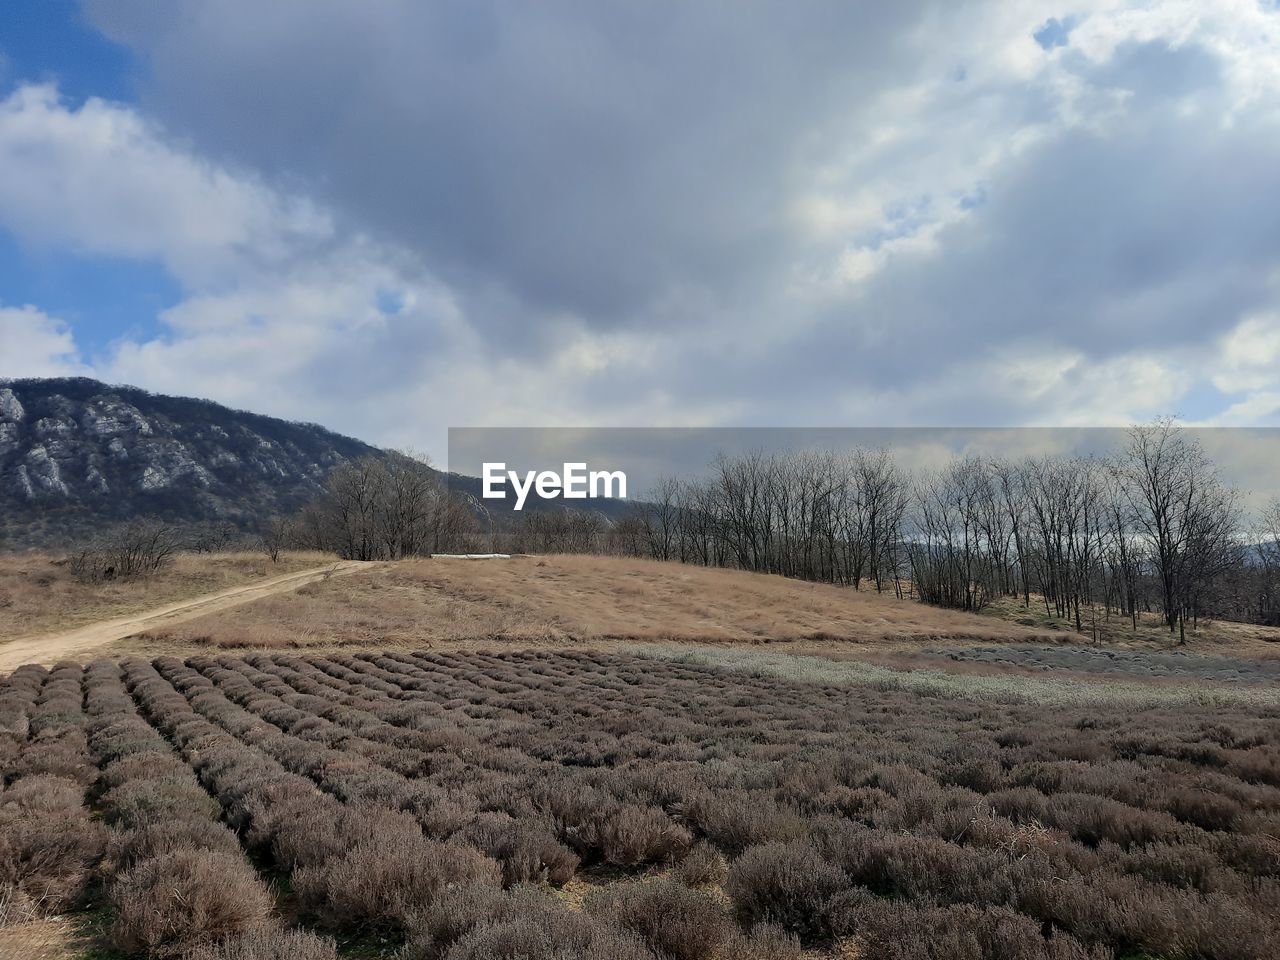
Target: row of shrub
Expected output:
[435,796]
[175,876]
[402,899]
[1170,869]
[355,866]
[666,920]
[49,842]
[545,847]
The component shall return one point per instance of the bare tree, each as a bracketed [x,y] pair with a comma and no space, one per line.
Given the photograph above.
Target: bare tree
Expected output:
[138,548]
[408,499]
[213,537]
[744,487]
[950,556]
[275,536]
[1183,511]
[385,508]
[1267,549]
[1009,491]
[660,519]
[881,497]
[560,531]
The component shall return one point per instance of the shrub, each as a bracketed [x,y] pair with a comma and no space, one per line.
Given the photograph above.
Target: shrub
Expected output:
[909,866]
[528,853]
[10,749]
[459,910]
[982,774]
[763,942]
[126,849]
[137,803]
[634,835]
[1210,811]
[173,903]
[675,921]
[151,765]
[1092,819]
[134,549]
[43,795]
[270,803]
[483,923]
[702,865]
[787,884]
[1125,913]
[47,849]
[314,829]
[382,885]
[443,817]
[269,945]
[547,938]
[1176,865]
[735,823]
[60,759]
[902,932]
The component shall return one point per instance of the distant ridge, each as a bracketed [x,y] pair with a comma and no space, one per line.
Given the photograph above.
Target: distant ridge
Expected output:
[77,454]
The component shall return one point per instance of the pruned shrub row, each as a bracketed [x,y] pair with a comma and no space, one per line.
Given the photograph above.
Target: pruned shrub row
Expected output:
[389,784]
[49,843]
[176,877]
[357,863]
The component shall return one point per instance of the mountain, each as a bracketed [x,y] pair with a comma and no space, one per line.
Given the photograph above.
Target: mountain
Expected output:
[76,454]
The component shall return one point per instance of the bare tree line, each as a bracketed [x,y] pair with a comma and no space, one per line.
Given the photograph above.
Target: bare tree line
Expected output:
[1152,528]
[379,508]
[383,507]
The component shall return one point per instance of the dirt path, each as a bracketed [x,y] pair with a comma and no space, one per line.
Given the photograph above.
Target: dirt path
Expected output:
[52,647]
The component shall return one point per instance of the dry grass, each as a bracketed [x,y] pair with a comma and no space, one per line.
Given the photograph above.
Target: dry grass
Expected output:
[39,595]
[567,599]
[57,938]
[981,683]
[1151,633]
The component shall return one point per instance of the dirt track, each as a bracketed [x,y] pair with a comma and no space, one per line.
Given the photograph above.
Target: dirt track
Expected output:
[52,647]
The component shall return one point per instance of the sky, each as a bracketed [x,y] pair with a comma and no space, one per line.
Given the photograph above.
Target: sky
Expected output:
[398,216]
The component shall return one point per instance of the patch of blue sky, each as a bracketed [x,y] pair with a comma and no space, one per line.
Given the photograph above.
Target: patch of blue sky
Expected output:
[48,41]
[901,220]
[390,302]
[1055,32]
[102,298]
[1204,401]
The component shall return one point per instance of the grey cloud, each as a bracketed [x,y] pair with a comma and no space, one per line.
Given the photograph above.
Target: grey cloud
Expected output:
[588,157]
[1160,232]
[634,166]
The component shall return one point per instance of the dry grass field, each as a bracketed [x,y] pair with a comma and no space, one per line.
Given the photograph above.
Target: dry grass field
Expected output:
[1151,632]
[571,599]
[39,595]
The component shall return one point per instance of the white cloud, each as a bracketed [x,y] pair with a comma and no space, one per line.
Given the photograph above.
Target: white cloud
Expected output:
[34,344]
[1249,355]
[908,214]
[100,179]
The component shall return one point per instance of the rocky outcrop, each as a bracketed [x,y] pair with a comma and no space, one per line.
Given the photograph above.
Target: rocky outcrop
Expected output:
[76,454]
[10,408]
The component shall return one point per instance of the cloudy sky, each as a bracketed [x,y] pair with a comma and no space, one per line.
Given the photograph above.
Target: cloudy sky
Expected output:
[395,216]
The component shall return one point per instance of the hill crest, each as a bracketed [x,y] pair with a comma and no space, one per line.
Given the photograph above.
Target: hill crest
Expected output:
[76,453]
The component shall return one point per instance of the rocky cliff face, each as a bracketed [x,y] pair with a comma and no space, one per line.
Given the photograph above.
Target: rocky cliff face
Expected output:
[76,455]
